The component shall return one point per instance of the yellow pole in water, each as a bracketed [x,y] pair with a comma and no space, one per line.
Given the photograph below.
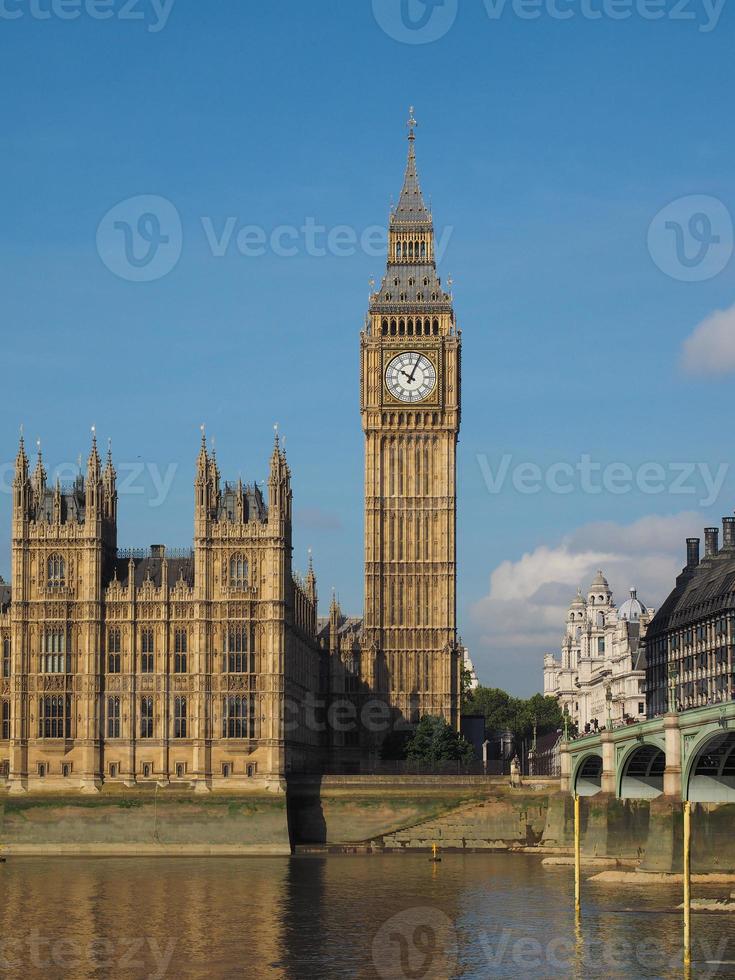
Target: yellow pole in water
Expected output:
[687,883]
[577,856]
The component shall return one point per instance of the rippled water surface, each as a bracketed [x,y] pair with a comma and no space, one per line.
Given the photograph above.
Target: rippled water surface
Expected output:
[354,916]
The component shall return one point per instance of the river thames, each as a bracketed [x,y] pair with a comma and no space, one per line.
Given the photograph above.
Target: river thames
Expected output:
[472,915]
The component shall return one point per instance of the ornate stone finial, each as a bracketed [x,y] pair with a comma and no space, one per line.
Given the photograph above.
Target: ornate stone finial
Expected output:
[412,124]
[109,449]
[203,430]
[94,435]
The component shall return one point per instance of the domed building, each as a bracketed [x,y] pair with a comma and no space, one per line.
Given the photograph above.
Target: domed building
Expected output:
[602,666]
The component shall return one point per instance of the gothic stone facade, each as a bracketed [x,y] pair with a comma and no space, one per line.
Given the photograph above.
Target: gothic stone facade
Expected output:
[211,667]
[126,668]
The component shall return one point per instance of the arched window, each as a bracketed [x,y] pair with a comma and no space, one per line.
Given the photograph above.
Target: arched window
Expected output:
[235,717]
[6,721]
[6,657]
[436,326]
[147,650]
[238,572]
[113,650]
[398,250]
[240,655]
[401,327]
[384,328]
[423,250]
[601,620]
[180,717]
[180,651]
[54,657]
[146,717]
[56,572]
[392,328]
[410,328]
[113,717]
[54,719]
[419,299]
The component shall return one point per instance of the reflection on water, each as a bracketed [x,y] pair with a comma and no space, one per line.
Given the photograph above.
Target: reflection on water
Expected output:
[478,915]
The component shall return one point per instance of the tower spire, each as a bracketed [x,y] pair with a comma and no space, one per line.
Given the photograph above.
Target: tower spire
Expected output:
[411,208]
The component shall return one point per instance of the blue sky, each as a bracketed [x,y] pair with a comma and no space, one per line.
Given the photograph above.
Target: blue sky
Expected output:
[548,148]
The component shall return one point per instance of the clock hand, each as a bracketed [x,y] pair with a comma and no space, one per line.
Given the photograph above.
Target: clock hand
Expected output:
[406,375]
[414,371]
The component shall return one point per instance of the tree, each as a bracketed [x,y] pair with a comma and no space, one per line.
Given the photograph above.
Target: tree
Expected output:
[434,742]
[503,712]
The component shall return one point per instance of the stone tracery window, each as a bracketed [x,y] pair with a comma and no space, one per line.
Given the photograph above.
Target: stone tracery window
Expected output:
[113,717]
[6,721]
[180,651]
[56,572]
[53,655]
[147,649]
[54,719]
[180,717]
[238,716]
[146,717]
[238,572]
[113,650]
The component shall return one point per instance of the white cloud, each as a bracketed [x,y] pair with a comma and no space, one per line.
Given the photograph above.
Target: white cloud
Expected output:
[523,614]
[710,349]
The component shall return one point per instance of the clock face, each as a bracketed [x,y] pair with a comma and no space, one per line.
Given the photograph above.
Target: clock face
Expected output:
[410,377]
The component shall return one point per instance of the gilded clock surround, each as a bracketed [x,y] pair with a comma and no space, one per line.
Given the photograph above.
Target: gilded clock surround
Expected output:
[432,355]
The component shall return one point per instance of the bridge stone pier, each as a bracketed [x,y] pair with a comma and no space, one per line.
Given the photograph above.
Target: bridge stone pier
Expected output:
[633,780]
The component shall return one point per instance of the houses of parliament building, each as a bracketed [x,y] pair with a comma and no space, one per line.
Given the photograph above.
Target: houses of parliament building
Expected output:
[211,668]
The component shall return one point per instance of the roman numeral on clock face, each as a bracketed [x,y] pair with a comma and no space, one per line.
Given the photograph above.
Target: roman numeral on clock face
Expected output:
[410,376]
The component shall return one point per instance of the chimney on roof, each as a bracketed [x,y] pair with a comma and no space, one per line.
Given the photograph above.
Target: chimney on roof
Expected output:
[711,541]
[692,552]
[158,551]
[728,532]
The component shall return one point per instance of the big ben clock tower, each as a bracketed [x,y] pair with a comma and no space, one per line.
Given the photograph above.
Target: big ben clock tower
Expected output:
[410,407]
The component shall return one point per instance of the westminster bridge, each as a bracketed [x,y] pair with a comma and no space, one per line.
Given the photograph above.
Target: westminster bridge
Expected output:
[687,755]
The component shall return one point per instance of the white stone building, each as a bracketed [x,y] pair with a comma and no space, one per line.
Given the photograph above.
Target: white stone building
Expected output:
[602,667]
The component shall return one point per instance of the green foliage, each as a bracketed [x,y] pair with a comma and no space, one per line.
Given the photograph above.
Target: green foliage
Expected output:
[465,689]
[503,712]
[434,741]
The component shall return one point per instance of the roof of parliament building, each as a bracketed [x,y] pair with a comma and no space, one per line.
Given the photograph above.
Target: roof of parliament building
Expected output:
[705,587]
